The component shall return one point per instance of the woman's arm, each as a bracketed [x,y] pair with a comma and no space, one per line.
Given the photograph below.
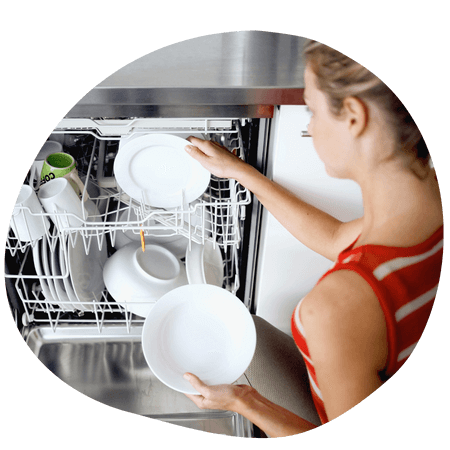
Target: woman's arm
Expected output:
[316,229]
[313,227]
[274,420]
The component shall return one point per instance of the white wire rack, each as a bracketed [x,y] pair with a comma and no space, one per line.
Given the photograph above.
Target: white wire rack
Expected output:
[217,216]
[101,309]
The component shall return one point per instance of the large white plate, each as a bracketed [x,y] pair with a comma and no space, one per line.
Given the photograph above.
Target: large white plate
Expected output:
[201,329]
[155,169]
[86,271]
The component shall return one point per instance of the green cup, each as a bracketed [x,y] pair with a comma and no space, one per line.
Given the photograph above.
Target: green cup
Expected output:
[59,165]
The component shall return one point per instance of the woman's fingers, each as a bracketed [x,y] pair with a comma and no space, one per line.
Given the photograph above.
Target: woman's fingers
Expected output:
[214,158]
[196,153]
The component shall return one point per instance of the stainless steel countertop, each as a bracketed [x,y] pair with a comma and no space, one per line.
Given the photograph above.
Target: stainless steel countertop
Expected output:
[236,74]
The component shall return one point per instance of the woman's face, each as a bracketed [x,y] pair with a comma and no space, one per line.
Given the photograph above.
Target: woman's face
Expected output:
[330,137]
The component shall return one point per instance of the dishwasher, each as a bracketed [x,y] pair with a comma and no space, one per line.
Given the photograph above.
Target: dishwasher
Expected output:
[94,345]
[69,337]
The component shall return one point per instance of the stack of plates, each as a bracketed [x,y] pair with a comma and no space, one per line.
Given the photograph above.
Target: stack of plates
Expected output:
[84,282]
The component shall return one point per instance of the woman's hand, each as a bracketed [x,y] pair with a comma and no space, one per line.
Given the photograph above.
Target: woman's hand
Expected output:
[269,417]
[215,158]
[226,397]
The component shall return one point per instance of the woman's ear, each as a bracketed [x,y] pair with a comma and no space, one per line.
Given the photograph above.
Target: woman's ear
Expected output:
[356,115]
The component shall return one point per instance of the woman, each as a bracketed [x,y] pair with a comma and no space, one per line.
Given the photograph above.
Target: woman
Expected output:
[363,318]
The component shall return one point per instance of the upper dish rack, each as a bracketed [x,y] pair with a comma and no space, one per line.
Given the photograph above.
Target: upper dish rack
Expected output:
[217,216]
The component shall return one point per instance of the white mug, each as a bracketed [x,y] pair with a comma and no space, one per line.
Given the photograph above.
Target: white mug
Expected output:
[27,221]
[57,196]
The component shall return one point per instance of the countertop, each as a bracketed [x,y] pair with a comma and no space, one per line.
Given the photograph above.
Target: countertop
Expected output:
[232,74]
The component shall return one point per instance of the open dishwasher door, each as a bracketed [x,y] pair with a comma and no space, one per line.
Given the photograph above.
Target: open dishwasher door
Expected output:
[110,367]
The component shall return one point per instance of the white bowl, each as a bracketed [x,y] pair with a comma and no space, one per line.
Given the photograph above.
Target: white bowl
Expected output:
[137,279]
[202,329]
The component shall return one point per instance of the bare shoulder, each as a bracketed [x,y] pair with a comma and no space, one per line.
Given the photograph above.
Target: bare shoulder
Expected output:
[342,315]
[347,340]
[338,293]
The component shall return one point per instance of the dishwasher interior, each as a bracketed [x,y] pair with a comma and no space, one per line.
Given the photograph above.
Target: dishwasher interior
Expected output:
[89,340]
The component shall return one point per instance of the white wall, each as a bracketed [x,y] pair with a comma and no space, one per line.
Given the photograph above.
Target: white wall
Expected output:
[288,270]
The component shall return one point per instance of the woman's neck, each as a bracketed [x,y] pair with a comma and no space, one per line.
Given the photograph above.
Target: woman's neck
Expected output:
[400,209]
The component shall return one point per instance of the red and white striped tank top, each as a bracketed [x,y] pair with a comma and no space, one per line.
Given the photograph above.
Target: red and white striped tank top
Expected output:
[405,280]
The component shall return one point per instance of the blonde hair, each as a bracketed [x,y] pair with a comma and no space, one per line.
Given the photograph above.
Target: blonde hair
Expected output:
[339,76]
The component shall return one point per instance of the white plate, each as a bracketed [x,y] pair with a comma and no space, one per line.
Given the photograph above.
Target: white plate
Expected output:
[200,329]
[48,273]
[58,282]
[86,271]
[67,281]
[39,272]
[204,264]
[155,169]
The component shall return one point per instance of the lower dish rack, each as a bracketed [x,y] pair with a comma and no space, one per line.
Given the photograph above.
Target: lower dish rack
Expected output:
[43,271]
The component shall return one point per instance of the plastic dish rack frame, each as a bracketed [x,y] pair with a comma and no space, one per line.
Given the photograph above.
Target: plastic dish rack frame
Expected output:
[217,216]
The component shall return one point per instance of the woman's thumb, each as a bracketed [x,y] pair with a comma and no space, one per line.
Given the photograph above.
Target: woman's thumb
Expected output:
[195,381]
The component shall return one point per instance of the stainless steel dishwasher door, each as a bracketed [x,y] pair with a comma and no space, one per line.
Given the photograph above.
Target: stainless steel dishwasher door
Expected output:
[109,366]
